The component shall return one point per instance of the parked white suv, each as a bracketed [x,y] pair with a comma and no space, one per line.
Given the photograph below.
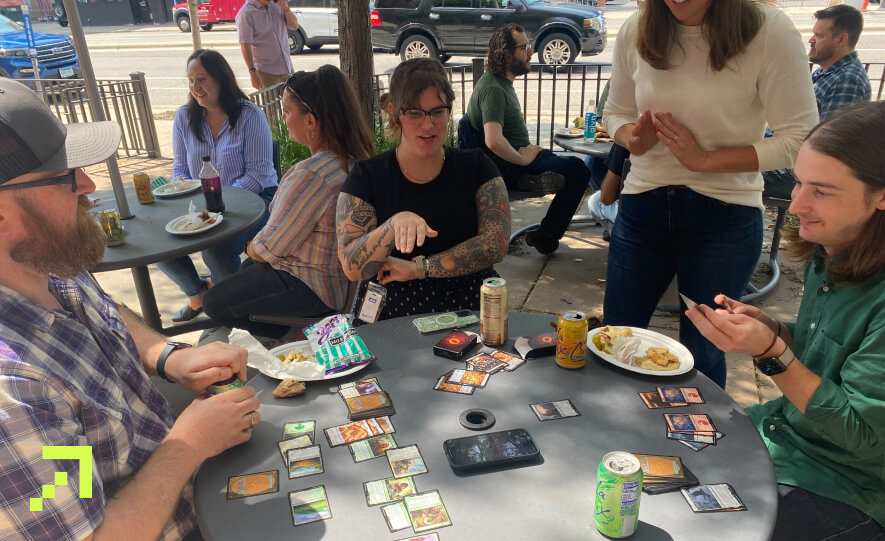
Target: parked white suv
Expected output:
[317,24]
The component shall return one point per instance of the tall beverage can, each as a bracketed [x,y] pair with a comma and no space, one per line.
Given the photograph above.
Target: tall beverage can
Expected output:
[571,340]
[109,220]
[143,187]
[229,384]
[618,488]
[590,122]
[493,312]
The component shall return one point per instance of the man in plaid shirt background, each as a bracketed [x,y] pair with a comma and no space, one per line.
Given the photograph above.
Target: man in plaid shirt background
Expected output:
[840,80]
[75,366]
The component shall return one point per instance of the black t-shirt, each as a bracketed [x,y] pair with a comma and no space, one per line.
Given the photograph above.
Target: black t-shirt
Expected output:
[447,203]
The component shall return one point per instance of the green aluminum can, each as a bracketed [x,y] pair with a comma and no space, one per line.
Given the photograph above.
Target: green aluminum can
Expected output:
[229,384]
[618,488]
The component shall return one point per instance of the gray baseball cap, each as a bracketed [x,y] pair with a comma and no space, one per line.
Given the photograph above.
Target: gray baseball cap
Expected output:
[33,140]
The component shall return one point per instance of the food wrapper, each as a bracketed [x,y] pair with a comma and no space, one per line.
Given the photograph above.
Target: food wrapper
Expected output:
[336,344]
[625,347]
[262,360]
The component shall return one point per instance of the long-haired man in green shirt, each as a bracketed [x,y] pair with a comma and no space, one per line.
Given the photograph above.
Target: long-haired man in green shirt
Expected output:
[826,434]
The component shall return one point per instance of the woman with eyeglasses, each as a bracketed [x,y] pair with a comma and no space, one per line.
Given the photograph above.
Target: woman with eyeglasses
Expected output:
[220,122]
[293,267]
[424,220]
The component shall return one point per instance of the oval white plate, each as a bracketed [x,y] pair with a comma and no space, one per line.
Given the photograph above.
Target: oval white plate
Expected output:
[173,223]
[166,189]
[648,339]
[304,347]
[565,133]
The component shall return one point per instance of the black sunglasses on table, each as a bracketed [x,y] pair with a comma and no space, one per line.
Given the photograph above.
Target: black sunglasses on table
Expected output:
[68,178]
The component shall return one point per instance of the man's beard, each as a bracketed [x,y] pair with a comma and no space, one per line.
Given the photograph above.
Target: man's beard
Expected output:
[51,249]
[519,67]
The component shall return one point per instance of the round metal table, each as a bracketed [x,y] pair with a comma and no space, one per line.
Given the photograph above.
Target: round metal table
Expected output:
[148,242]
[553,499]
[577,144]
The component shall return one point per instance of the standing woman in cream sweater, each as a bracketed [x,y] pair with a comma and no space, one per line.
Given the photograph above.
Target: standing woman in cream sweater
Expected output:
[694,84]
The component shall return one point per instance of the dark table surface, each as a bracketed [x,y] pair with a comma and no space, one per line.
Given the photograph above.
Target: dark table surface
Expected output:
[577,144]
[147,240]
[553,499]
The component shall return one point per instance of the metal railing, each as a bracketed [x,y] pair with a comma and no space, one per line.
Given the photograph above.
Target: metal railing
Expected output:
[126,102]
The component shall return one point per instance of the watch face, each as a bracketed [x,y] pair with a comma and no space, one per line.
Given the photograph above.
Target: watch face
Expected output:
[771,366]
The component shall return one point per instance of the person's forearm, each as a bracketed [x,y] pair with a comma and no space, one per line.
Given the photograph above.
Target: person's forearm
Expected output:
[622,136]
[504,150]
[364,256]
[141,509]
[246,49]
[291,19]
[149,342]
[467,257]
[798,384]
[731,160]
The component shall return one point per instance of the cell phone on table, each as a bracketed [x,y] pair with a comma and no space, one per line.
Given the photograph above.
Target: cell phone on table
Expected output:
[446,320]
[494,449]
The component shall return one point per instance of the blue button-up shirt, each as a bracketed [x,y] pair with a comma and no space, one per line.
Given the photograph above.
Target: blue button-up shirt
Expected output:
[73,377]
[844,83]
[242,153]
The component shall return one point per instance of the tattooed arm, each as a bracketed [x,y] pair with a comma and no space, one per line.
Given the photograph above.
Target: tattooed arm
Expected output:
[362,245]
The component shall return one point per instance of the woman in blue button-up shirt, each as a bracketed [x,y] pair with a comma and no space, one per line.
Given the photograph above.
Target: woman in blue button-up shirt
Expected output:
[220,122]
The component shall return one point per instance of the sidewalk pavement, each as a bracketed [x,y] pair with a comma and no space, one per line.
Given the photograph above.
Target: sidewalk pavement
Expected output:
[573,278]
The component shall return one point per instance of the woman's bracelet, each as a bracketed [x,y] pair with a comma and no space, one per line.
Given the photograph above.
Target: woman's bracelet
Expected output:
[780,327]
[766,350]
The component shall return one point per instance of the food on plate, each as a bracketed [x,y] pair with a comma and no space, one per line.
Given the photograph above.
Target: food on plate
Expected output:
[289,387]
[657,358]
[604,339]
[294,356]
[575,131]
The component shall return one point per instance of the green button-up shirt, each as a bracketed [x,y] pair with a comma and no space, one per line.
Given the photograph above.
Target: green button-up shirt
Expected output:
[837,447]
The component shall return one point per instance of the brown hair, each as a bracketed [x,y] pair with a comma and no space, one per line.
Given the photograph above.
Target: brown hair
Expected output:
[853,136]
[845,19]
[409,80]
[729,26]
[230,96]
[329,95]
[501,47]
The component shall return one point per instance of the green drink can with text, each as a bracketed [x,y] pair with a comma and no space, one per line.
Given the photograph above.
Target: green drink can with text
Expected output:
[618,488]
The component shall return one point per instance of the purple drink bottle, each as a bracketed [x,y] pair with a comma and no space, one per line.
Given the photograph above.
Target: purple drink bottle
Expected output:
[211,181]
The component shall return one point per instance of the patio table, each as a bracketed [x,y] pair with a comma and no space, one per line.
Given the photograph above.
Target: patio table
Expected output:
[552,499]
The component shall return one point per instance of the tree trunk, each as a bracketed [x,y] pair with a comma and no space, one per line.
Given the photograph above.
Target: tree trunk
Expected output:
[195,24]
[355,50]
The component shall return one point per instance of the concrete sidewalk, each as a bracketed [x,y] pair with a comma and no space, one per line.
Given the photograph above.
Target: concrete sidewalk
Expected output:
[573,278]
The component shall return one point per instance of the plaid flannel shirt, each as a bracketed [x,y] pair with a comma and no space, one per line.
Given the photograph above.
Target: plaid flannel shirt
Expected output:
[73,377]
[844,83]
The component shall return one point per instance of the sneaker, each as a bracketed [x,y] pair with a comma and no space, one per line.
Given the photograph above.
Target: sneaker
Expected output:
[186,314]
[543,184]
[542,242]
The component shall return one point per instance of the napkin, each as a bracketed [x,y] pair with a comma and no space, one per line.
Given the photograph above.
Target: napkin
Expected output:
[263,361]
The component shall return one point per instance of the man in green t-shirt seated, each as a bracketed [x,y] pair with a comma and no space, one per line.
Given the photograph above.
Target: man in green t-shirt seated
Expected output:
[496,116]
[826,434]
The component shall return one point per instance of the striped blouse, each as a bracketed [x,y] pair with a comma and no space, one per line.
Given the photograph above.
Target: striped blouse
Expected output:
[242,154]
[300,237]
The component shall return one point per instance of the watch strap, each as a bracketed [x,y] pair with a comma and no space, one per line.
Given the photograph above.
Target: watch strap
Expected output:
[161,360]
[771,366]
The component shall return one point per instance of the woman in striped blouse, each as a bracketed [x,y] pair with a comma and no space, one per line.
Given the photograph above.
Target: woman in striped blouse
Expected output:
[220,122]
[293,267]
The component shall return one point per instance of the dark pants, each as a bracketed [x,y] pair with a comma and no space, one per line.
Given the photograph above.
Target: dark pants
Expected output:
[566,200]
[710,246]
[259,289]
[804,516]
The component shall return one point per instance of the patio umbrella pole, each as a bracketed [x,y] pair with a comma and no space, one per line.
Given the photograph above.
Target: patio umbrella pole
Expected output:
[95,105]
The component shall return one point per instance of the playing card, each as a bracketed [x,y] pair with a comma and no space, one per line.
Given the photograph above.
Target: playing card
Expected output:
[681,395]
[689,304]
[513,362]
[309,505]
[653,401]
[560,409]
[485,363]
[253,484]
[694,445]
[372,447]
[359,387]
[690,423]
[427,511]
[444,385]
[369,405]
[358,430]
[428,537]
[655,467]
[296,443]
[300,428]
[396,516]
[388,490]
[473,378]
[712,498]
[304,461]
[406,461]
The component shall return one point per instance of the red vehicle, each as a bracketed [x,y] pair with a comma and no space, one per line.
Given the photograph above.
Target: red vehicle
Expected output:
[210,13]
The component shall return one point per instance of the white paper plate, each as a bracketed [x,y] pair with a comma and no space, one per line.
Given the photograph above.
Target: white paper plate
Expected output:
[186,186]
[171,227]
[564,132]
[648,339]
[304,347]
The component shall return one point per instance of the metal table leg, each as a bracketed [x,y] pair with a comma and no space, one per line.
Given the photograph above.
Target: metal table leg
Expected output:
[146,298]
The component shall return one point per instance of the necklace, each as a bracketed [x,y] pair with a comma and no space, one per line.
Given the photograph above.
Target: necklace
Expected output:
[413,178]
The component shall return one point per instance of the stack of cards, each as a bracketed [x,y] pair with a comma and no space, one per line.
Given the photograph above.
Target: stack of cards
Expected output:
[296,435]
[423,512]
[560,409]
[538,345]
[672,397]
[364,399]
[479,370]
[713,498]
[664,473]
[358,430]
[695,431]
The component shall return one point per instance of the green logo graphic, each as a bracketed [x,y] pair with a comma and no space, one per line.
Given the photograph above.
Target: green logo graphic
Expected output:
[81,453]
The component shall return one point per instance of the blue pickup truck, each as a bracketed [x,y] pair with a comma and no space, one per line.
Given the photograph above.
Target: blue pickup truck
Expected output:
[56,56]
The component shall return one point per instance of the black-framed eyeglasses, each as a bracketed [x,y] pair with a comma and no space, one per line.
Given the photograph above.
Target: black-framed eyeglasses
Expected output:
[68,178]
[416,114]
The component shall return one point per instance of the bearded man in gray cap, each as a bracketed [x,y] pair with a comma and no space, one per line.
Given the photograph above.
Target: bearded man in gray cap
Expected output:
[75,366]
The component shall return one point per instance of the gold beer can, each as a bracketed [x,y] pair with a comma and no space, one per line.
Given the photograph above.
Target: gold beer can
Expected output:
[143,187]
[109,220]
[493,312]
[571,339]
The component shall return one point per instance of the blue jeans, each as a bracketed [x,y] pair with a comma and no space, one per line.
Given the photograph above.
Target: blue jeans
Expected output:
[710,246]
[804,516]
[222,260]
[565,202]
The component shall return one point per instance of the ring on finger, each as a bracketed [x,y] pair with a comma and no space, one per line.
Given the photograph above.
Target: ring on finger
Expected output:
[675,138]
[251,419]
